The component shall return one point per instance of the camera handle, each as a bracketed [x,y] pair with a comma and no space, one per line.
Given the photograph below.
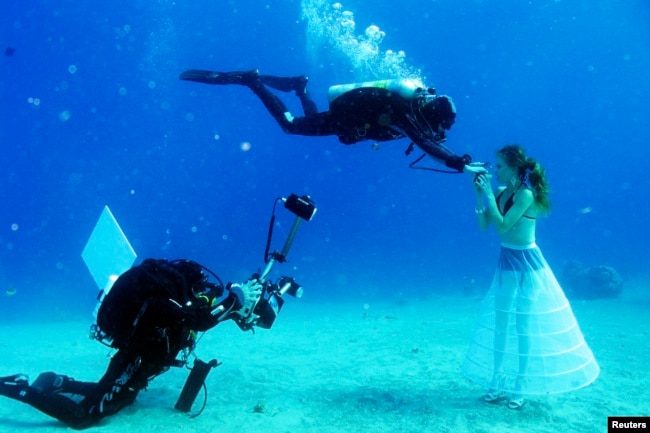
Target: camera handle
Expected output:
[282,257]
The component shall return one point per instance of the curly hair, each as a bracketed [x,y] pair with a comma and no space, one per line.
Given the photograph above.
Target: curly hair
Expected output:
[530,172]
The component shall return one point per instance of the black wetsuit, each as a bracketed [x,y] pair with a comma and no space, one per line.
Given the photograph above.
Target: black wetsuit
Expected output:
[163,325]
[364,113]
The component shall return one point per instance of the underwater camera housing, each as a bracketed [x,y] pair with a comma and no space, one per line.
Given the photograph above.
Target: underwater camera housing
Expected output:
[268,307]
[270,304]
[303,207]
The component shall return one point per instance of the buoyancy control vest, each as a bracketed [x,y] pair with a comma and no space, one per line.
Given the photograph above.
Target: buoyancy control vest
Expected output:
[120,312]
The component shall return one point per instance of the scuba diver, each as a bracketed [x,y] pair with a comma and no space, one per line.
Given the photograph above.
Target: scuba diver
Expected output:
[383,110]
[151,314]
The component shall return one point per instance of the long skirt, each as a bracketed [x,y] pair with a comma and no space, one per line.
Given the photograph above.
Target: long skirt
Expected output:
[527,340]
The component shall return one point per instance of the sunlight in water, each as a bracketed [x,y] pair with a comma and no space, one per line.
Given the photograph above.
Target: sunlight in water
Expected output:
[331,27]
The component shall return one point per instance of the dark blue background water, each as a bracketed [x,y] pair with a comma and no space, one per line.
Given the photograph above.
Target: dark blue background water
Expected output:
[566,79]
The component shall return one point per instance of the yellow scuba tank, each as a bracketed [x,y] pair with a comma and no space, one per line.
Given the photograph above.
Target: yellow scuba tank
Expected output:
[405,87]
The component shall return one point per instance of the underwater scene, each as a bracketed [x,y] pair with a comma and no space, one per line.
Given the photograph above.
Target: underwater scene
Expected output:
[414,216]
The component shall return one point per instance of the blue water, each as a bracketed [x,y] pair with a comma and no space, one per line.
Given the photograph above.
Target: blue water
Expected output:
[93,114]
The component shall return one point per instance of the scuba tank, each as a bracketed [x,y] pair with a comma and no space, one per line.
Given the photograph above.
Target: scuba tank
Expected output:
[405,87]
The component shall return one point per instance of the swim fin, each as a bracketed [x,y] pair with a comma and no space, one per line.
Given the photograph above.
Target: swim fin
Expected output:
[245,78]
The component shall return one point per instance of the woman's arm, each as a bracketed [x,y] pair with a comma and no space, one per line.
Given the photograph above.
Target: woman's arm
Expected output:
[482,215]
[522,201]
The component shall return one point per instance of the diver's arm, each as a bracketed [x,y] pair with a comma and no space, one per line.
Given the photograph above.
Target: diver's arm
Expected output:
[167,312]
[238,301]
[247,294]
[442,154]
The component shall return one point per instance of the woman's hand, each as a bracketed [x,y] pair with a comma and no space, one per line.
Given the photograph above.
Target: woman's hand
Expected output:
[477,185]
[483,185]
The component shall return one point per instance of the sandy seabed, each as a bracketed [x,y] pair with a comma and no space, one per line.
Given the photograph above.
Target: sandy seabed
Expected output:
[347,367]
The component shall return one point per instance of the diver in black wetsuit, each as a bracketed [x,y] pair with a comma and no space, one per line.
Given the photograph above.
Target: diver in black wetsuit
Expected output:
[150,315]
[362,113]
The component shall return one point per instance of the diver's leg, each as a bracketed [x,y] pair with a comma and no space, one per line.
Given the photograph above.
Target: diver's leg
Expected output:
[12,386]
[79,404]
[274,106]
[251,78]
[117,387]
[51,382]
[297,84]
[43,395]
[313,124]
[285,84]
[277,108]
[308,105]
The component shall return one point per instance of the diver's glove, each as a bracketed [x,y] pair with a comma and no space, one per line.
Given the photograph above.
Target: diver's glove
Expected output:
[476,168]
[247,294]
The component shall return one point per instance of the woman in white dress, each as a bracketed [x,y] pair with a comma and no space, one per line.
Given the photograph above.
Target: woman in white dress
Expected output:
[527,340]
